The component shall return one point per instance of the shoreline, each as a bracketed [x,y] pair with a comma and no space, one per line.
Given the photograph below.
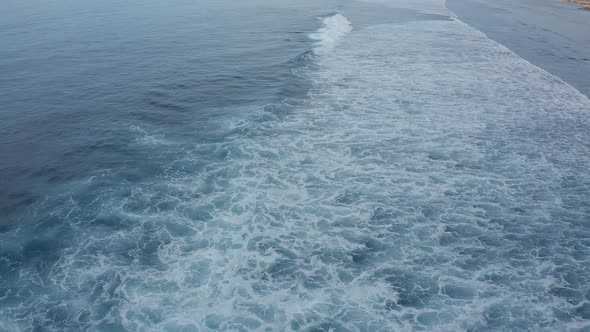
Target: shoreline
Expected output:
[543,32]
[583,4]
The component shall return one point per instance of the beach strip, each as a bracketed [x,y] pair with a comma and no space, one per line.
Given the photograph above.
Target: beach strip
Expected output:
[584,4]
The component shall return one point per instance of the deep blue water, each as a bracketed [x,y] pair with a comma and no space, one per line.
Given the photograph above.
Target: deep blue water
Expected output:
[284,165]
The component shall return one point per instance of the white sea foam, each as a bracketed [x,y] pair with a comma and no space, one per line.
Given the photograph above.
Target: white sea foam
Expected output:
[437,185]
[328,36]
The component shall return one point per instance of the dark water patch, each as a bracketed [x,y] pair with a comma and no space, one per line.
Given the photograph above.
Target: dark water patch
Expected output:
[70,95]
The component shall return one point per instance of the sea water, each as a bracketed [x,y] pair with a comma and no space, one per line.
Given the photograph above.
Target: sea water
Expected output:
[274,165]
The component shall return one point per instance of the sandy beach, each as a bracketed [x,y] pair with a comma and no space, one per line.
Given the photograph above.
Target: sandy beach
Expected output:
[584,4]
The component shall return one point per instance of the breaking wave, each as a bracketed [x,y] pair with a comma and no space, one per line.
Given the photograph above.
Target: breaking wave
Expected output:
[327,37]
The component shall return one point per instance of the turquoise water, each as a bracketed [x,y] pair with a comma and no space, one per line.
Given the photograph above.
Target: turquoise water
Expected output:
[306,166]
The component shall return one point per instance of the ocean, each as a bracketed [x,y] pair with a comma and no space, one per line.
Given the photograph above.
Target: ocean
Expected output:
[278,165]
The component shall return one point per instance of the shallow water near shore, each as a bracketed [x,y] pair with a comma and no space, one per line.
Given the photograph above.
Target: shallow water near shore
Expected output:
[306,166]
[550,34]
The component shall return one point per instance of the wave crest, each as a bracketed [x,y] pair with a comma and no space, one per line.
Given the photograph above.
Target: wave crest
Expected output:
[328,36]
